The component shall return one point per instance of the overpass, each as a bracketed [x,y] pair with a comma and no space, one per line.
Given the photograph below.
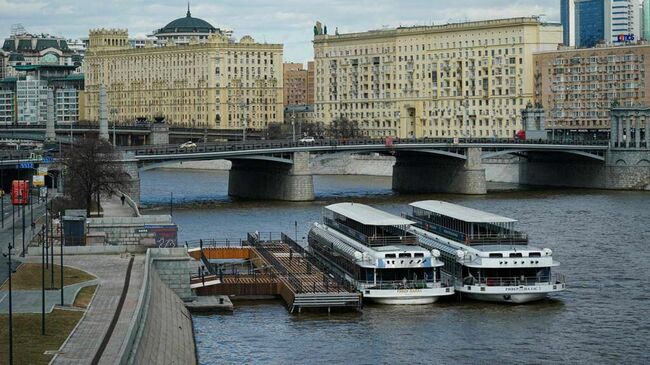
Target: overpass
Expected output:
[132,134]
[280,170]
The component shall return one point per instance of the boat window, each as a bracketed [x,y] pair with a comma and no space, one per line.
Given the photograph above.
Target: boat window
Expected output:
[496,255]
[418,254]
[518,254]
[390,256]
[405,255]
[535,254]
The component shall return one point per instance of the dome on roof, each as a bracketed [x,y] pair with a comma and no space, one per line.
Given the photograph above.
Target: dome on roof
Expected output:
[188,24]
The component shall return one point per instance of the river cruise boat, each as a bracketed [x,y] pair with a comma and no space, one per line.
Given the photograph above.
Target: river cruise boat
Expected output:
[483,255]
[375,252]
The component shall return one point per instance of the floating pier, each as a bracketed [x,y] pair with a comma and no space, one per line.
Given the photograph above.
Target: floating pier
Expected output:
[278,267]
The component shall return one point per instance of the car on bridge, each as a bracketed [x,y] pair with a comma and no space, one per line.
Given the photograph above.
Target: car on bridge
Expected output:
[187,145]
[307,140]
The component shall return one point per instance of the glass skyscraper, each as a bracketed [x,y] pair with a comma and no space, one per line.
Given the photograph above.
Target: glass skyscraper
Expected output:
[588,22]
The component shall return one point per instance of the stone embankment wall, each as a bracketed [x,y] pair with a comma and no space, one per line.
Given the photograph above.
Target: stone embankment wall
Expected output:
[161,332]
[127,230]
[349,164]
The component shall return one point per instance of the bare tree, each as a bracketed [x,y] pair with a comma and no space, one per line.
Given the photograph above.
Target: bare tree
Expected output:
[313,129]
[344,128]
[91,169]
[274,131]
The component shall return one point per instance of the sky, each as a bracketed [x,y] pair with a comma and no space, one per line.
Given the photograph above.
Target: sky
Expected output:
[289,22]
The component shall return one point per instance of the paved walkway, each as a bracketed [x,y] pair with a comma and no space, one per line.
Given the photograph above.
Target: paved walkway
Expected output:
[30,301]
[85,340]
[113,208]
[6,233]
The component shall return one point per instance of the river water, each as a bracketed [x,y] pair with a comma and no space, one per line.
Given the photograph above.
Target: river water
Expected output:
[601,239]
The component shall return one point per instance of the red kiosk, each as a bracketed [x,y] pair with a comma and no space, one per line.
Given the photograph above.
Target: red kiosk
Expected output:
[20,192]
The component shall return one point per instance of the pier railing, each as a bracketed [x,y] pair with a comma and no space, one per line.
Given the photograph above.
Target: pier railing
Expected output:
[260,246]
[340,280]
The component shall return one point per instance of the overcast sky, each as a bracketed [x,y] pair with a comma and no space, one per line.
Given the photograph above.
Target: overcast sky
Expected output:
[287,21]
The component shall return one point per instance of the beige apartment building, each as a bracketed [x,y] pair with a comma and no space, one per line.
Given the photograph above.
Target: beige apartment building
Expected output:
[298,84]
[200,78]
[577,87]
[453,80]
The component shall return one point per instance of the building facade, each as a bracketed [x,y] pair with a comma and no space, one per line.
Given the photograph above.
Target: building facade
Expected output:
[23,98]
[645,20]
[29,49]
[298,84]
[577,88]
[214,82]
[590,22]
[454,80]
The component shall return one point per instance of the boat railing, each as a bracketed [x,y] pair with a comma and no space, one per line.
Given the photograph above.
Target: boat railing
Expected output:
[515,280]
[406,239]
[471,239]
[401,284]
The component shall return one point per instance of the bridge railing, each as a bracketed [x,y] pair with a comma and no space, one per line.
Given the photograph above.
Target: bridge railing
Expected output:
[208,147]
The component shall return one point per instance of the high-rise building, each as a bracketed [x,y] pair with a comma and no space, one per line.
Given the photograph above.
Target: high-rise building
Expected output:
[205,79]
[453,80]
[23,98]
[298,84]
[645,20]
[578,87]
[589,22]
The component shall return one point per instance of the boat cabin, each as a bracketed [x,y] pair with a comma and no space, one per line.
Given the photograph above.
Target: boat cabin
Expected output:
[367,225]
[465,225]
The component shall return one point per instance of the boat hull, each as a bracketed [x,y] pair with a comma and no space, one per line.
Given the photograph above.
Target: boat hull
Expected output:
[510,294]
[508,298]
[405,296]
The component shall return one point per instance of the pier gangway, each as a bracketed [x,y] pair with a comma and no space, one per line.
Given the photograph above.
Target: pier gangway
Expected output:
[278,266]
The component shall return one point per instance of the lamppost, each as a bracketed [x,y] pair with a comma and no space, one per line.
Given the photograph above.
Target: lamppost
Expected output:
[113,113]
[293,125]
[11,332]
[244,108]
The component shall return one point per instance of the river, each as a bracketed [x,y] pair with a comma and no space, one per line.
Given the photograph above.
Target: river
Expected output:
[600,237]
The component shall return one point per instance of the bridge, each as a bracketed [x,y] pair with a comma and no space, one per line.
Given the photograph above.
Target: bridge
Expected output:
[130,134]
[279,170]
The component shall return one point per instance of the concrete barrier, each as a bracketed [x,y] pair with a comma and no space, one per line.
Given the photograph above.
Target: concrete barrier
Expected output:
[161,331]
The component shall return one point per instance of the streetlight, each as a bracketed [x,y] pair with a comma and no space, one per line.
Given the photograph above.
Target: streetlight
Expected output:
[293,125]
[113,113]
[11,332]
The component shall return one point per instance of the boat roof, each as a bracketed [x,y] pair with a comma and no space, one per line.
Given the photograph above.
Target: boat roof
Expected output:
[367,215]
[400,248]
[461,213]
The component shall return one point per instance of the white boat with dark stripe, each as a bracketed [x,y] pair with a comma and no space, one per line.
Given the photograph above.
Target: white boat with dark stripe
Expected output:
[375,251]
[483,255]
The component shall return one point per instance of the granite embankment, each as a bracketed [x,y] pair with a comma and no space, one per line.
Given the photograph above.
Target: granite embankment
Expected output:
[504,169]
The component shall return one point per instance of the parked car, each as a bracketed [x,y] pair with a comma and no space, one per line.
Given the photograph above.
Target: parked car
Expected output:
[187,145]
[307,140]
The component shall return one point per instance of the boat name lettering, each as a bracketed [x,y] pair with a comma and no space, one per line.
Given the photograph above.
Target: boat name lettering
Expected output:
[525,288]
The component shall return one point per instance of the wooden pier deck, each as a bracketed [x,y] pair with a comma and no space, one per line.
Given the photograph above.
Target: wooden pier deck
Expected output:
[282,268]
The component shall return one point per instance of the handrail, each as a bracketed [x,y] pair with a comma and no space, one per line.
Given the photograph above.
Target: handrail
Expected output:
[515,280]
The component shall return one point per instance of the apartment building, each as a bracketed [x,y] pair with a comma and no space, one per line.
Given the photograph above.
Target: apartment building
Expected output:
[206,79]
[453,80]
[298,84]
[578,87]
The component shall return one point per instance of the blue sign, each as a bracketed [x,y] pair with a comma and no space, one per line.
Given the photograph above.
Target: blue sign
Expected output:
[25,165]
[48,159]
[624,38]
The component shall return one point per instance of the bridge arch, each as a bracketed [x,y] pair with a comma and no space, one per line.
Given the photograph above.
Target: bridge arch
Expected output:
[493,154]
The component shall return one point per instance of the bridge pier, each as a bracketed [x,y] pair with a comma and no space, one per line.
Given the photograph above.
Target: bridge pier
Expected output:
[272,180]
[419,172]
[132,178]
[621,170]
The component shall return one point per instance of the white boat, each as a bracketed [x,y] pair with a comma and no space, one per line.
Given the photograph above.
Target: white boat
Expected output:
[484,256]
[375,252]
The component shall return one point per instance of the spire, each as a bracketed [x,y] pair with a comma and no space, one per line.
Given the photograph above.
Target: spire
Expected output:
[188,10]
